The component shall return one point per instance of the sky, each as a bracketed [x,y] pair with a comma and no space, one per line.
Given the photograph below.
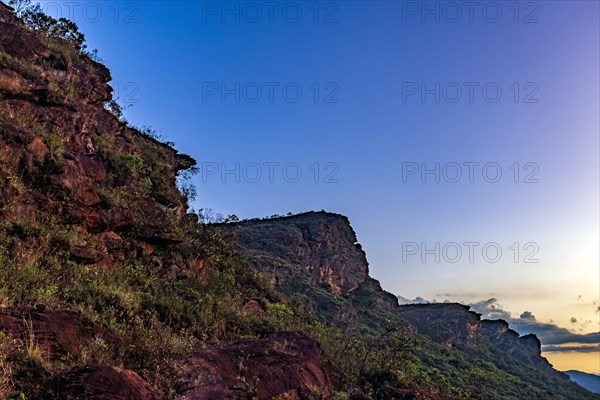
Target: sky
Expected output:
[461,139]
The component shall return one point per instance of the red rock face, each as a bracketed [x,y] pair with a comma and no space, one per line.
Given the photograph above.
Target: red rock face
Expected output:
[60,334]
[283,366]
[321,247]
[315,261]
[106,383]
[63,154]
[444,323]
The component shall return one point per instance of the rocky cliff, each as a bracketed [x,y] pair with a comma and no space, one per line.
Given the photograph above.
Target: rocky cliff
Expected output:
[67,160]
[316,260]
[319,247]
[454,325]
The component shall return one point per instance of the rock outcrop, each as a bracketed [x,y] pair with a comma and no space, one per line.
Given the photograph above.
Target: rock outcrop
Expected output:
[314,259]
[444,323]
[282,366]
[319,246]
[97,382]
[60,335]
[67,161]
[453,324]
[526,349]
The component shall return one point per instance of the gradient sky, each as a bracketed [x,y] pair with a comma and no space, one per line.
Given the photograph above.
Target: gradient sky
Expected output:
[170,60]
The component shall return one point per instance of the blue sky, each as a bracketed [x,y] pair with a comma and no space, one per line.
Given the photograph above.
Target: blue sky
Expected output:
[368,73]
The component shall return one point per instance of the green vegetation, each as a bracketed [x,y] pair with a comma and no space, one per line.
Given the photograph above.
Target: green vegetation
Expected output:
[25,69]
[158,318]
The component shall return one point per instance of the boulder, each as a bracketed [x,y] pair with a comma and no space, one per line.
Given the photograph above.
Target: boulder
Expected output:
[100,382]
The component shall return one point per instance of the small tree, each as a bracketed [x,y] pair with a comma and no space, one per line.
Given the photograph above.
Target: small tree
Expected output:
[186,185]
[19,6]
[34,17]
[232,219]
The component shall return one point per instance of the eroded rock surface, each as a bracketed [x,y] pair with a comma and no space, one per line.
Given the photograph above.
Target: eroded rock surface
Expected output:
[98,382]
[321,246]
[282,366]
[59,334]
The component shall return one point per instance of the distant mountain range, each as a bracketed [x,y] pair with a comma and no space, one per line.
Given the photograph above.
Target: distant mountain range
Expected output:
[589,381]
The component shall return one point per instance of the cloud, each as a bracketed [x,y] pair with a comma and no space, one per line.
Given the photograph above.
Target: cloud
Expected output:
[416,300]
[490,309]
[552,334]
[573,320]
[527,315]
[568,349]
